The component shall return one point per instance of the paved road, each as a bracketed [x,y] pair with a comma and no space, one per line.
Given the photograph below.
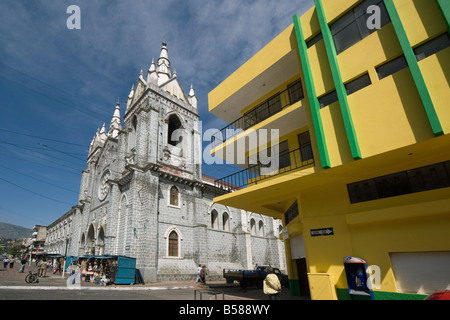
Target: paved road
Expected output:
[53,287]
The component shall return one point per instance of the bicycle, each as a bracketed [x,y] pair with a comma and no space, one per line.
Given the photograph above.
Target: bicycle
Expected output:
[32,278]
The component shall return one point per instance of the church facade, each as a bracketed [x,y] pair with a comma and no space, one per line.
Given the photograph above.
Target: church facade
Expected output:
[143,194]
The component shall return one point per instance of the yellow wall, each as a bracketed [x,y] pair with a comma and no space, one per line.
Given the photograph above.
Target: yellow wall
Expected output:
[436,72]
[266,57]
[397,231]
[393,133]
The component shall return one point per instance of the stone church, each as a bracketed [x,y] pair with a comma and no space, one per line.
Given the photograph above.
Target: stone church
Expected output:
[143,194]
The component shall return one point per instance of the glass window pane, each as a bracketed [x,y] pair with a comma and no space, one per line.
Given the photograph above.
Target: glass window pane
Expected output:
[274,105]
[391,67]
[358,84]
[295,92]
[314,40]
[284,155]
[393,185]
[433,46]
[328,99]
[362,8]
[362,191]
[347,37]
[342,22]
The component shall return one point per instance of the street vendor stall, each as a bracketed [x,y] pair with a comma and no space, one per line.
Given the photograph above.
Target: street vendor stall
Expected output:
[108,269]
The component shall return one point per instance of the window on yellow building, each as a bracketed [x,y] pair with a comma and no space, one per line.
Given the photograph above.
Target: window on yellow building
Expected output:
[295,91]
[358,84]
[391,67]
[304,141]
[284,155]
[433,46]
[313,40]
[328,99]
[352,26]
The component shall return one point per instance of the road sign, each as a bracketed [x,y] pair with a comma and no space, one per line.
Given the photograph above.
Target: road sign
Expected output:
[322,232]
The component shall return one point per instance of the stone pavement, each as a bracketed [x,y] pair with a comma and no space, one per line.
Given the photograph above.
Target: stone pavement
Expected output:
[10,278]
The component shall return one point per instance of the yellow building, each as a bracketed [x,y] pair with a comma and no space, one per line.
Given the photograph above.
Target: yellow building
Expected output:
[357,95]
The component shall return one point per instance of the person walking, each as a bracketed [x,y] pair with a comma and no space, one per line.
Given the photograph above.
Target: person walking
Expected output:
[272,285]
[5,262]
[203,274]
[199,269]
[23,262]
[58,267]
[40,268]
[44,267]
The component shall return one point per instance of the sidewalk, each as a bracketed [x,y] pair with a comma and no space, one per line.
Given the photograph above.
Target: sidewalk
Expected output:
[10,278]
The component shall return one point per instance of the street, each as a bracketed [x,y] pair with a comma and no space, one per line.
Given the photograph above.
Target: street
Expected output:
[53,287]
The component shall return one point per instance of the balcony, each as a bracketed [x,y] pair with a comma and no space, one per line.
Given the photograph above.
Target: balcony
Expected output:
[288,162]
[263,111]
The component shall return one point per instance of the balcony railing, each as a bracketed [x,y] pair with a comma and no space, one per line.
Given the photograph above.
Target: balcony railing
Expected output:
[260,113]
[254,174]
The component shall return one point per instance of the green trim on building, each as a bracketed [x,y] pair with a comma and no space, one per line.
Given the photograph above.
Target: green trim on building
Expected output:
[415,69]
[444,5]
[343,294]
[294,288]
[338,83]
[311,91]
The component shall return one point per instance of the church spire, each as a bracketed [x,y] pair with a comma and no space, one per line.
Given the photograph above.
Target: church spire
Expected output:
[163,69]
[192,98]
[116,124]
[152,76]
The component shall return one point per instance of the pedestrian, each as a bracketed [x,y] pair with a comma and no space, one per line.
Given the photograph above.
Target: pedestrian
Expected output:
[199,269]
[58,267]
[11,263]
[44,267]
[5,262]
[23,262]
[203,274]
[272,285]
[40,268]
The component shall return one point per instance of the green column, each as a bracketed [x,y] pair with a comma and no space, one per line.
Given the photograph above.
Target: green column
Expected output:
[414,67]
[312,96]
[337,78]
[444,5]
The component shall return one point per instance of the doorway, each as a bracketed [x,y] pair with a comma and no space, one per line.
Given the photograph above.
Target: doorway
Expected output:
[302,272]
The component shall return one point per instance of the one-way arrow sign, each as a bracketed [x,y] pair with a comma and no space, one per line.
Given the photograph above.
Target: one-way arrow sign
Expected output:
[322,232]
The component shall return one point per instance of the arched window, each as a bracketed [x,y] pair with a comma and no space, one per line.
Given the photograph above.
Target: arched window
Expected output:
[174,124]
[174,196]
[225,220]
[261,228]
[173,244]
[252,227]
[214,222]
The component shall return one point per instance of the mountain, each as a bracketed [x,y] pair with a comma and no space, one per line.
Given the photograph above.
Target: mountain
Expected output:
[10,231]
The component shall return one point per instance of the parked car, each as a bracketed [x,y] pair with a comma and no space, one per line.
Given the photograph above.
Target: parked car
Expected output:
[439,295]
[253,277]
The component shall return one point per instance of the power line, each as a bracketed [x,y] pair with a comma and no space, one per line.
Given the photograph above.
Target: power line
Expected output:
[56,150]
[37,179]
[29,147]
[33,192]
[42,138]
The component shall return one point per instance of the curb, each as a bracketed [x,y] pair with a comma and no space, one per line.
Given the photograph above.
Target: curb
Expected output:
[94,288]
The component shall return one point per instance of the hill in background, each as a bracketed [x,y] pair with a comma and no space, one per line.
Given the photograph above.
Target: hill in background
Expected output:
[10,231]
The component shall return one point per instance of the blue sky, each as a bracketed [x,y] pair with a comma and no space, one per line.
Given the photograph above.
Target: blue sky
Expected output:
[57,86]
